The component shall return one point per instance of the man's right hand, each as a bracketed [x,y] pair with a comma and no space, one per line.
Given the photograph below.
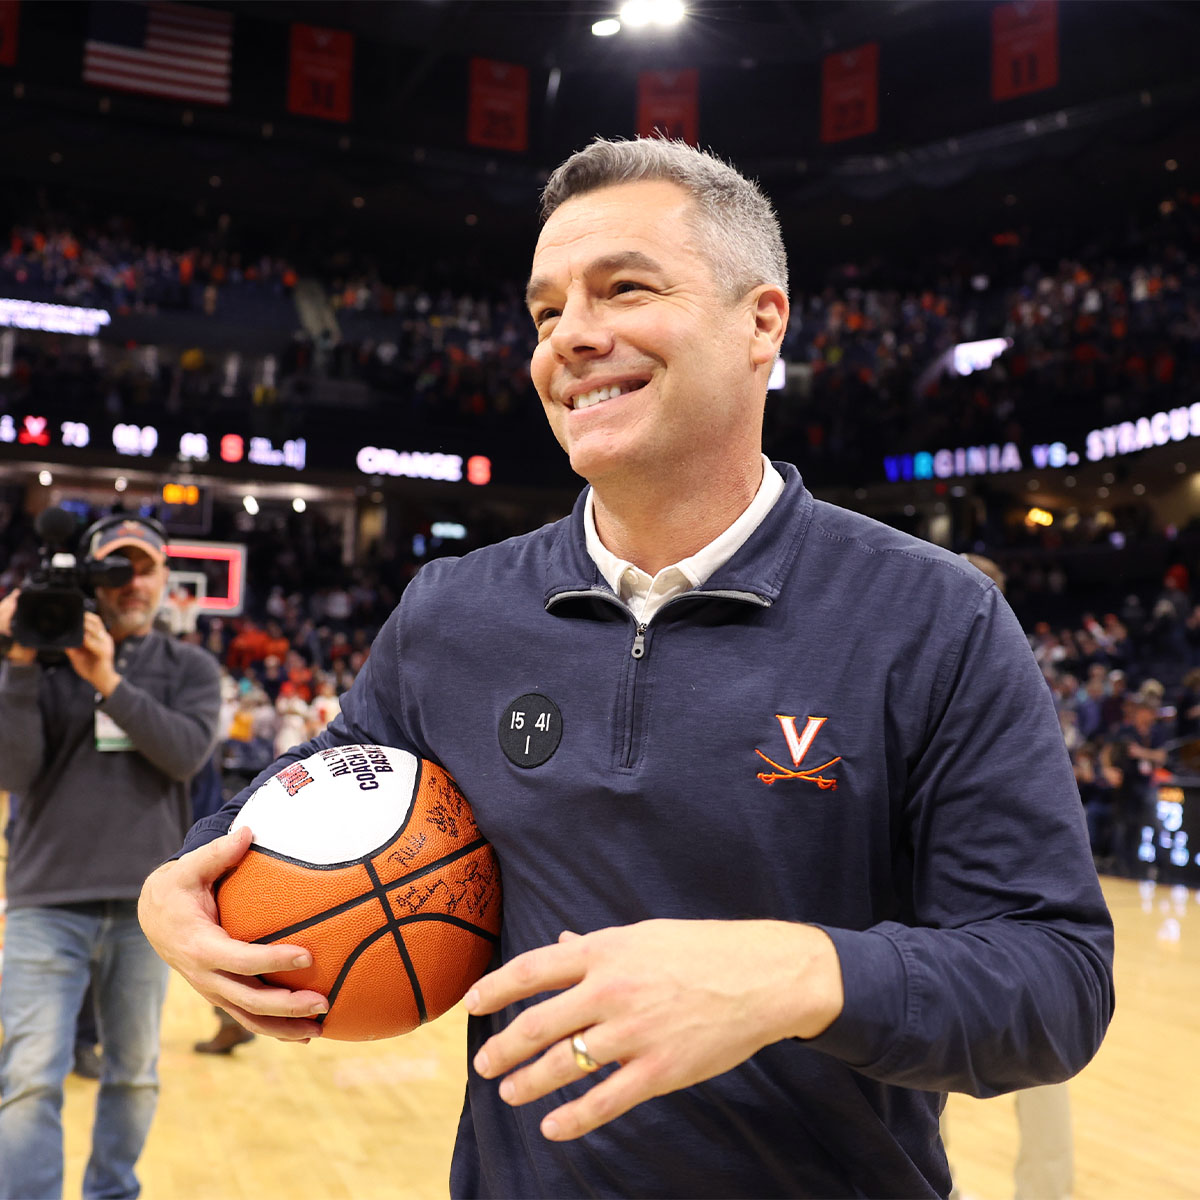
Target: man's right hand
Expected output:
[179,917]
[8,607]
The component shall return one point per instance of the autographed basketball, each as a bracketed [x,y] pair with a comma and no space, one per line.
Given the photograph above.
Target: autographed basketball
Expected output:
[370,858]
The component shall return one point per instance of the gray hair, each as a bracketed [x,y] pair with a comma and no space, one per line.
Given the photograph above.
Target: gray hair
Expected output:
[734,220]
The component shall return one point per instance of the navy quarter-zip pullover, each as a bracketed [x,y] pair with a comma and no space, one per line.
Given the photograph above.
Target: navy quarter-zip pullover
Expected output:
[844,726]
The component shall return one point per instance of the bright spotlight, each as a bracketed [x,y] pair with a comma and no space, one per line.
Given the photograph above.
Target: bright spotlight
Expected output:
[298,504]
[639,13]
[250,505]
[45,478]
[606,28]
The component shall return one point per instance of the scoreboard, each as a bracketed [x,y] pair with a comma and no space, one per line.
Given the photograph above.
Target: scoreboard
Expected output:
[344,453]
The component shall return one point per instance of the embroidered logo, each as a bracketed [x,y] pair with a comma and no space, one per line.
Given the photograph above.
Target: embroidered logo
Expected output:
[798,745]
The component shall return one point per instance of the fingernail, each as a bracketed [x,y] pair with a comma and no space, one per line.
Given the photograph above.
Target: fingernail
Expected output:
[471,999]
[550,1128]
[302,960]
[481,1062]
[318,1009]
[507,1091]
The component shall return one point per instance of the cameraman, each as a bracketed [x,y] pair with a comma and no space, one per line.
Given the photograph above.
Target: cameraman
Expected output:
[100,747]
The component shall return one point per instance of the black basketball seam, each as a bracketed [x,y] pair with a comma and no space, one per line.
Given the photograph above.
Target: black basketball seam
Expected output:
[372,938]
[346,905]
[347,964]
[478,930]
[405,957]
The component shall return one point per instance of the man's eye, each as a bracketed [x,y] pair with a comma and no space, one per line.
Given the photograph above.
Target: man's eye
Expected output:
[628,285]
[543,315]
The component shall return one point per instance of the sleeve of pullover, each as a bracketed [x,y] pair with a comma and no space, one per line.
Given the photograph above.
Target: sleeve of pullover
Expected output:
[1003,978]
[177,736]
[22,736]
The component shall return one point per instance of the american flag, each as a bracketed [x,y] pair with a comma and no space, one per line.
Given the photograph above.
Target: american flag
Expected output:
[174,50]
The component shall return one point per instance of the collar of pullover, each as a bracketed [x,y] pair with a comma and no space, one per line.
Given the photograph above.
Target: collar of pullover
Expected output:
[758,569]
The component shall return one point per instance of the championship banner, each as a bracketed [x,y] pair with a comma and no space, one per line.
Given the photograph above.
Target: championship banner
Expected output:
[1024,48]
[321,72]
[498,105]
[669,105]
[10,13]
[850,93]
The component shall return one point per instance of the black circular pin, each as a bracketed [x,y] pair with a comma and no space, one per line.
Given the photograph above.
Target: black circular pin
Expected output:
[530,730]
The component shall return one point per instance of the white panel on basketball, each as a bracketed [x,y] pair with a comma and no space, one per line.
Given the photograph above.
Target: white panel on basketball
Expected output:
[334,806]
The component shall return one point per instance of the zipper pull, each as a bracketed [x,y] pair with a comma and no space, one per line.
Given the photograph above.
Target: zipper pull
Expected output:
[639,642]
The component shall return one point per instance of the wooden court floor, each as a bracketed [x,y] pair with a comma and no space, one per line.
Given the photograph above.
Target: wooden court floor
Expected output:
[369,1121]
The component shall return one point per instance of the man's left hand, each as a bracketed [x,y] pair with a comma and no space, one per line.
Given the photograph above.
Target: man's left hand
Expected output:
[672,1003]
[93,660]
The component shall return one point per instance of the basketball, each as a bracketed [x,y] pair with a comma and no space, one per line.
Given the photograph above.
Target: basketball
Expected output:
[370,858]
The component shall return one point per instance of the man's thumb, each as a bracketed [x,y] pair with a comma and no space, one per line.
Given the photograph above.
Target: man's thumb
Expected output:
[222,854]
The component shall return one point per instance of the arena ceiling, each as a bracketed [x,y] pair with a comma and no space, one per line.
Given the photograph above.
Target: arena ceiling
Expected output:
[944,153]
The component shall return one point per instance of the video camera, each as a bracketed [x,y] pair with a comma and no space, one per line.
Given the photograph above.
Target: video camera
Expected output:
[55,594]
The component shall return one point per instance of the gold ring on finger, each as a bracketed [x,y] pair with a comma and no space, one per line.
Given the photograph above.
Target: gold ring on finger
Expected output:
[583,1060]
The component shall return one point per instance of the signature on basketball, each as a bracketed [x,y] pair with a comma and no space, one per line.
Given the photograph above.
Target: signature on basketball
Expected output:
[472,891]
[409,849]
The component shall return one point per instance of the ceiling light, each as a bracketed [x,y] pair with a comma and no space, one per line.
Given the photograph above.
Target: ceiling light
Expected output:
[298,505]
[606,28]
[250,505]
[638,13]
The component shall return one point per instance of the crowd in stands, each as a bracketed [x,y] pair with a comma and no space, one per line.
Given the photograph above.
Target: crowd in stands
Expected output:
[1127,690]
[445,354]
[1102,333]
[113,267]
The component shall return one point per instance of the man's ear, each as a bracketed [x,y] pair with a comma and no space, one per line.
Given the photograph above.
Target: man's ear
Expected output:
[770,309]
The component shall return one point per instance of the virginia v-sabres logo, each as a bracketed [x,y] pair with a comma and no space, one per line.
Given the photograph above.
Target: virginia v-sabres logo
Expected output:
[798,743]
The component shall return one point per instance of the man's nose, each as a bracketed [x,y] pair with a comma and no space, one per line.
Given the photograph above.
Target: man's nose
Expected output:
[580,331]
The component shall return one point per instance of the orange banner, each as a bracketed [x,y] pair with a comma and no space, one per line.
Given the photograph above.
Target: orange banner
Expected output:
[498,109]
[669,105]
[850,93]
[1024,48]
[10,15]
[321,73]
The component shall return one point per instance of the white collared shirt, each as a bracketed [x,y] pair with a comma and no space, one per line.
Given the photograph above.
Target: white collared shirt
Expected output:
[644,595]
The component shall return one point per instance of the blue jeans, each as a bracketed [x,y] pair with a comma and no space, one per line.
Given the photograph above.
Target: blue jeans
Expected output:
[50,954]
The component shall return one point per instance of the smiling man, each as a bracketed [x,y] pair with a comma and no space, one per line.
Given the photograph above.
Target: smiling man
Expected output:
[100,749]
[797,846]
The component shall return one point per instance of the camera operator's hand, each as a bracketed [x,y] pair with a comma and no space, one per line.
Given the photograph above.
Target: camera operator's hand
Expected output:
[93,660]
[16,652]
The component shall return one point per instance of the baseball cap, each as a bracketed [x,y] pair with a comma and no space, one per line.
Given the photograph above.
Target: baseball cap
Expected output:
[131,532]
